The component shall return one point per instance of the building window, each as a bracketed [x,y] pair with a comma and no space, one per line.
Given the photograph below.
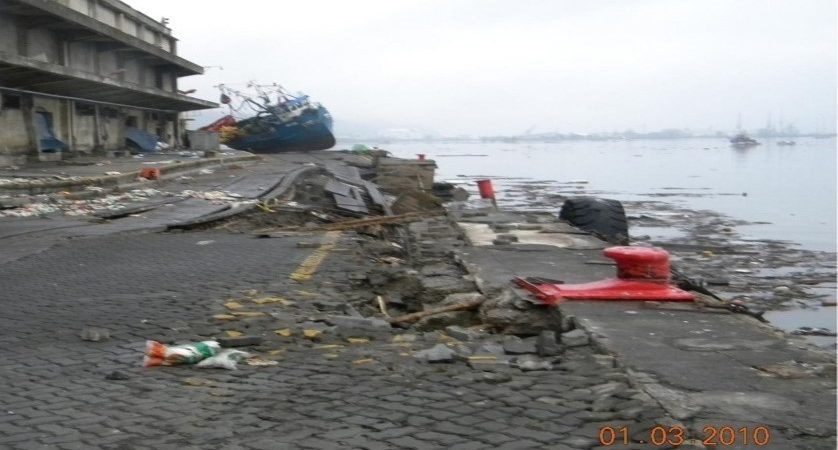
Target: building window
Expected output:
[10,101]
[85,109]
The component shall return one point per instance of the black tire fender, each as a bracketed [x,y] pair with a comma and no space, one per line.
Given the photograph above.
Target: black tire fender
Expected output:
[604,218]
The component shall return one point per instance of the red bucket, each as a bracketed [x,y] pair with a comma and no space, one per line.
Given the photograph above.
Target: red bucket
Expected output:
[421,156]
[486,189]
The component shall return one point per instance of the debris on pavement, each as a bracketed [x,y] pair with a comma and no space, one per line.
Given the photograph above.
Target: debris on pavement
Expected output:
[158,354]
[810,331]
[462,306]
[439,353]
[226,359]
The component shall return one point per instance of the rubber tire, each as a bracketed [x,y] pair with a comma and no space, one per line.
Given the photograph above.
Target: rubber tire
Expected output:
[605,218]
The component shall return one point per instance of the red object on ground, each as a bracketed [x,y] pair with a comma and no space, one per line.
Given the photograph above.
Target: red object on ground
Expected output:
[421,156]
[150,173]
[486,189]
[642,274]
[648,263]
[226,121]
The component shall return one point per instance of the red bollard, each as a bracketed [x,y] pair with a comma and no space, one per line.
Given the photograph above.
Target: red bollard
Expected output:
[421,156]
[640,263]
[487,191]
[642,274]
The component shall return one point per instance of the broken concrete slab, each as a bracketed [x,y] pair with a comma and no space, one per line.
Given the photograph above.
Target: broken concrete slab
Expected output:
[547,345]
[513,345]
[462,333]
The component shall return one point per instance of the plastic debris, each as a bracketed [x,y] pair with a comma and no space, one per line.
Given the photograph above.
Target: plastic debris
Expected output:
[285,332]
[226,359]
[158,354]
[258,362]
[43,205]
[312,334]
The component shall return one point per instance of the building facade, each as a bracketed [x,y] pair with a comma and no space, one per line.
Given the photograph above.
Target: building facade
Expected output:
[85,76]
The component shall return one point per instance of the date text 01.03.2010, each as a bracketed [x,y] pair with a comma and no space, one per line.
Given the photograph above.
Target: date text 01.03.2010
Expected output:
[724,436]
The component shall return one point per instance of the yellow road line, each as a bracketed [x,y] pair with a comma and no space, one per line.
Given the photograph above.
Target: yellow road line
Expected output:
[309,266]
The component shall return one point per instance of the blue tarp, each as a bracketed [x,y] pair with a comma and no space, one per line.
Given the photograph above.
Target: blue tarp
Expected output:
[147,142]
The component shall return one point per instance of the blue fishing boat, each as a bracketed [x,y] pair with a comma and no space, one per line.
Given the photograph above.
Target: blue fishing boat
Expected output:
[279,122]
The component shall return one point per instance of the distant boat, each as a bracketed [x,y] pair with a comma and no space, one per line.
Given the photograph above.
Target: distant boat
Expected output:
[742,140]
[786,143]
[288,123]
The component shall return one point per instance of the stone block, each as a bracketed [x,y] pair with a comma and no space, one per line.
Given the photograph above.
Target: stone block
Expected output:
[440,321]
[462,333]
[546,344]
[439,353]
[575,338]
[513,345]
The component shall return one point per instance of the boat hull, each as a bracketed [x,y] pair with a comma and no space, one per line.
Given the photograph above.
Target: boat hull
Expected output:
[309,132]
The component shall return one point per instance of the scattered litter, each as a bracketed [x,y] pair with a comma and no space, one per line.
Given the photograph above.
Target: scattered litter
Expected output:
[233,305]
[224,317]
[206,171]
[233,333]
[226,359]
[248,314]
[205,242]
[113,173]
[258,362]
[213,196]
[265,300]
[358,341]
[157,354]
[328,347]
[70,207]
[285,332]
[359,362]
[312,334]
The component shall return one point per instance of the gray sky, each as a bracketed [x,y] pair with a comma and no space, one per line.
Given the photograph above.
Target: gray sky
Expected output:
[500,67]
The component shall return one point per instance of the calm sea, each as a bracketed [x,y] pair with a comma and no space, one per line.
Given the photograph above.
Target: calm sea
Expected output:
[792,188]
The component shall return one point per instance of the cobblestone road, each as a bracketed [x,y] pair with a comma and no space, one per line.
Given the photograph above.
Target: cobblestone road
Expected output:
[321,395]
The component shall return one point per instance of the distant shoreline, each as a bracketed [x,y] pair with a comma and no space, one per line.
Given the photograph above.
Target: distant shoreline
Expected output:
[564,138]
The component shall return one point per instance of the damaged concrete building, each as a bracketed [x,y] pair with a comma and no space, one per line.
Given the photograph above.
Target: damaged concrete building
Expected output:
[85,76]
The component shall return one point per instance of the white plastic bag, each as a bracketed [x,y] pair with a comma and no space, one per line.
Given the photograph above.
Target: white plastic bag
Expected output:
[226,359]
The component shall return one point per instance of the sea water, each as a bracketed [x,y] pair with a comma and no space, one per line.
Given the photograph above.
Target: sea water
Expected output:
[789,190]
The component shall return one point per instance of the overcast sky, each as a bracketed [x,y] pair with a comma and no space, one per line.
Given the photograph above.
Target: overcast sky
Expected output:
[501,67]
